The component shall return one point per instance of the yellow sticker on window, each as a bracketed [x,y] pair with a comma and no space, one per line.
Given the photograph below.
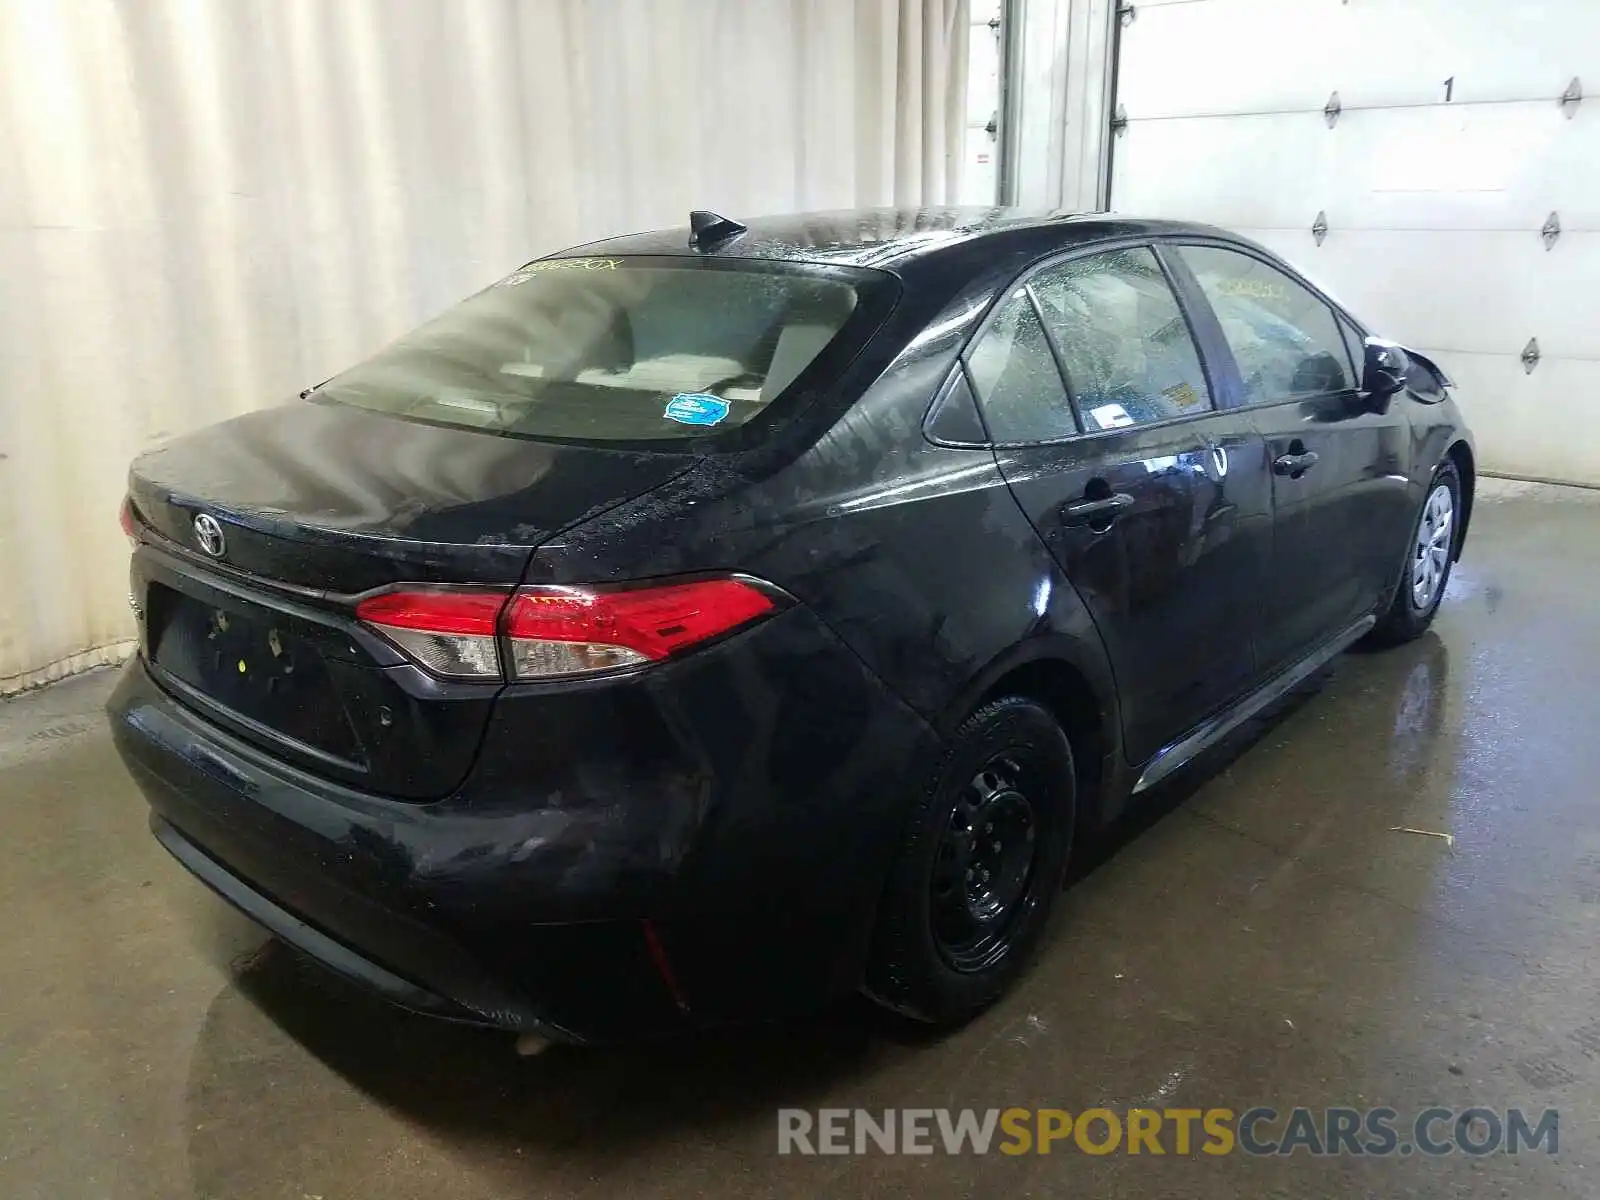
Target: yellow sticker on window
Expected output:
[1255,289]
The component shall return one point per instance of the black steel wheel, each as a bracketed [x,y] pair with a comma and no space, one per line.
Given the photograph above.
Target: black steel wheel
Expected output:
[983,859]
[984,863]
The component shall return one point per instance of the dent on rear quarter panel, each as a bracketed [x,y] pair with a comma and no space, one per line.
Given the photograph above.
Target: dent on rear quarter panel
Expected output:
[750,770]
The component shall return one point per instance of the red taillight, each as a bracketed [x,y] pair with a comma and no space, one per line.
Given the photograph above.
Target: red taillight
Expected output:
[449,632]
[573,631]
[551,632]
[130,526]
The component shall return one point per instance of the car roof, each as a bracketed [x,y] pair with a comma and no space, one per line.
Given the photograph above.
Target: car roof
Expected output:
[894,237]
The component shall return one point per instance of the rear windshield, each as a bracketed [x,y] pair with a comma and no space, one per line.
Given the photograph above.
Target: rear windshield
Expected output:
[615,349]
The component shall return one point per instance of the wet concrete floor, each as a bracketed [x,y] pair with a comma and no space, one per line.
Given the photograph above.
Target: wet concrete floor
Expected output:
[1263,937]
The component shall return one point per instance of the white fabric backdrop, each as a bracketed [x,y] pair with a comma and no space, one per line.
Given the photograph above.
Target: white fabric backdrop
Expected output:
[206,205]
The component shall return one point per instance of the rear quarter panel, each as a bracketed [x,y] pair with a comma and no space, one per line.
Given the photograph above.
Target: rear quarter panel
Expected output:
[915,554]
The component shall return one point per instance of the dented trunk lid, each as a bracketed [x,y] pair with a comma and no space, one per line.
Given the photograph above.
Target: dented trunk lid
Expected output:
[314,504]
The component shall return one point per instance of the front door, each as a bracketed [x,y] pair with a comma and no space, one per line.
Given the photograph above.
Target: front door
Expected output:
[1340,482]
[1155,504]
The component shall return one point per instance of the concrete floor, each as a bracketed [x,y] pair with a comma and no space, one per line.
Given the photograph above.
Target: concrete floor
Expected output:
[1264,937]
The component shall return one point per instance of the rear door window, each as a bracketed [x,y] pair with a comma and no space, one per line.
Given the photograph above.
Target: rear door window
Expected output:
[618,349]
[1125,345]
[1122,341]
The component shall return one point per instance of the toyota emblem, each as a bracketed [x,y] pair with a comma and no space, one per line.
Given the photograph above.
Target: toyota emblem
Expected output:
[209,534]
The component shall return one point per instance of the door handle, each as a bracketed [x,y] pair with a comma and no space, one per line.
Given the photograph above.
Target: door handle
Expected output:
[1106,508]
[1294,465]
[1219,459]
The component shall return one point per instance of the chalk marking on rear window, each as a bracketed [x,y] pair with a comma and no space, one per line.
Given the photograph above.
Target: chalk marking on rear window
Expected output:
[545,266]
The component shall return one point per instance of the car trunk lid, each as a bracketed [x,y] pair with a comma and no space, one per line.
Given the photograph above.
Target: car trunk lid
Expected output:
[251,620]
[342,499]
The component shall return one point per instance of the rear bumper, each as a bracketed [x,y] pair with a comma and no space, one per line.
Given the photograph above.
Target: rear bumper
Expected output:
[336,875]
[487,1004]
[729,870]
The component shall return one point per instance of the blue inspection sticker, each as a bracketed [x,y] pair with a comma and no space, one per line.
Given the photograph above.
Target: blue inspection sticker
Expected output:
[696,408]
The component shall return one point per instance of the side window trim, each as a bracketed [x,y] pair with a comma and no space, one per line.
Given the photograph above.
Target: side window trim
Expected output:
[956,377]
[1353,338]
[1089,434]
[1060,361]
[1227,384]
[1178,242]
[1185,306]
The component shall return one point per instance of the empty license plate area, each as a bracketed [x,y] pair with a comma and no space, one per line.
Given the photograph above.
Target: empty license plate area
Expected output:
[252,665]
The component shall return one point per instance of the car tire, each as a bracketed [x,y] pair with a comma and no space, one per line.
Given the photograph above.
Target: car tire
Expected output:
[961,912]
[1418,591]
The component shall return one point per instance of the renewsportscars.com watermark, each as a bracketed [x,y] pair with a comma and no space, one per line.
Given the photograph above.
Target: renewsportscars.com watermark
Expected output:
[1260,1131]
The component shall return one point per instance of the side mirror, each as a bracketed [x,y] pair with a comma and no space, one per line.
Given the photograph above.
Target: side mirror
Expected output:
[1384,373]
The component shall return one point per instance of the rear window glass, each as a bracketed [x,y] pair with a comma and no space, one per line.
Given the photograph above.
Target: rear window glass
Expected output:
[614,349]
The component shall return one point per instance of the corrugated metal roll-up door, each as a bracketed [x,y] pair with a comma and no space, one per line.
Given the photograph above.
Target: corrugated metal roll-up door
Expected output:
[1434,164]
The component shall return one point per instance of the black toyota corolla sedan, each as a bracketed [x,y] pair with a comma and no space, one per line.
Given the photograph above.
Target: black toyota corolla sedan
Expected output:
[704,624]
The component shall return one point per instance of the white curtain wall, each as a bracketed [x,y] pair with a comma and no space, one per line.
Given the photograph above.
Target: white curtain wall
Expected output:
[206,205]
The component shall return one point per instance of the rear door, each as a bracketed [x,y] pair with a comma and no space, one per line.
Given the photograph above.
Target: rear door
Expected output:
[1340,469]
[1154,502]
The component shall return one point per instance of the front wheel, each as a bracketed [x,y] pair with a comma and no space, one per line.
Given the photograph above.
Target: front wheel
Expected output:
[984,855]
[1429,557]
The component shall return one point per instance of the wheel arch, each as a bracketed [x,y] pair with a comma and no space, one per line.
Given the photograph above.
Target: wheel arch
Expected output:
[1078,692]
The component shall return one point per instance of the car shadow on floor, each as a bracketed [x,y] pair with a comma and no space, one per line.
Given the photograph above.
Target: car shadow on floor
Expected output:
[467,1086]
